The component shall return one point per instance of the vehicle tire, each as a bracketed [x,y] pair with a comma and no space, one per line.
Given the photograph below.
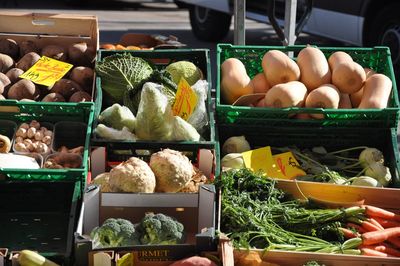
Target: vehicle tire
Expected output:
[385,30]
[209,25]
[180,4]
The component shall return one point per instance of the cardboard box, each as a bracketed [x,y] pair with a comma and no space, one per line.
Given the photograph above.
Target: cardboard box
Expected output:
[154,41]
[196,211]
[381,197]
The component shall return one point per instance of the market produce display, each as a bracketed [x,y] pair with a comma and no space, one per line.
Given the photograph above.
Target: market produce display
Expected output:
[314,80]
[147,95]
[358,166]
[168,171]
[256,214]
[153,229]
[16,58]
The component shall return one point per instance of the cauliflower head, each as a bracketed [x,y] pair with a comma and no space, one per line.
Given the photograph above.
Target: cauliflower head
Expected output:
[133,175]
[160,229]
[172,169]
[114,233]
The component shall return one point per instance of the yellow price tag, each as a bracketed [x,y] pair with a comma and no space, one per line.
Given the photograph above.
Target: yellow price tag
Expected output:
[46,71]
[259,159]
[185,100]
[287,166]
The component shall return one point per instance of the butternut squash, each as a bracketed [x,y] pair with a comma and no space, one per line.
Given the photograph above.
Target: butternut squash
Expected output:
[338,57]
[260,83]
[314,68]
[234,80]
[325,96]
[348,77]
[376,92]
[290,94]
[344,102]
[356,97]
[279,68]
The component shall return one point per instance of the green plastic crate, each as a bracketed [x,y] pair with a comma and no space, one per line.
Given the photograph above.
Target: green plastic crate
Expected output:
[40,216]
[384,139]
[377,58]
[161,58]
[53,113]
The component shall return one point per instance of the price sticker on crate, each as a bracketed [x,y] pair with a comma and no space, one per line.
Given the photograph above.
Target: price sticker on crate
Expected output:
[185,100]
[46,71]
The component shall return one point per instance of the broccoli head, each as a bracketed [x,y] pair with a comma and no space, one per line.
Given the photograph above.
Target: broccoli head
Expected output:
[160,229]
[114,233]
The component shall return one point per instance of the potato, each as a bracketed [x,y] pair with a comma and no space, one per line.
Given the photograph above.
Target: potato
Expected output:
[53,97]
[2,88]
[27,61]
[80,96]
[55,51]
[83,76]
[2,97]
[23,89]
[28,46]
[80,54]
[4,79]
[9,47]
[66,87]
[14,73]
[6,62]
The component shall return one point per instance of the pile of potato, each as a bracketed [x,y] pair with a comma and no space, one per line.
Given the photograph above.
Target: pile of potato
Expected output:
[16,58]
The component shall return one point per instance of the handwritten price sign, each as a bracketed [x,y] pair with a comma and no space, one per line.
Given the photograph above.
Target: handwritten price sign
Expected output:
[46,71]
[185,100]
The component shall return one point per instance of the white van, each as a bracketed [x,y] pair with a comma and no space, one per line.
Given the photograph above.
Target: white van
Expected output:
[356,22]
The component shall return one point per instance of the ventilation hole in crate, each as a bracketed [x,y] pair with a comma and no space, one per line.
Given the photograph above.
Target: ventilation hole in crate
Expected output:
[44,243]
[37,219]
[33,238]
[24,224]
[56,238]
[13,219]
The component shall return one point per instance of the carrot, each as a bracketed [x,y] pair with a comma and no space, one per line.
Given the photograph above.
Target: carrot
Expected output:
[395,241]
[369,227]
[375,222]
[357,227]
[386,223]
[373,211]
[347,233]
[375,237]
[383,247]
[372,252]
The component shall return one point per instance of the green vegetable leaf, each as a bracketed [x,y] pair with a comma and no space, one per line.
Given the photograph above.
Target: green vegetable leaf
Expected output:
[122,72]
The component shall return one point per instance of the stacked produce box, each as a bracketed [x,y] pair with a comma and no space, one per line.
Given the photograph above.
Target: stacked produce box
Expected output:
[153,159]
[46,115]
[308,139]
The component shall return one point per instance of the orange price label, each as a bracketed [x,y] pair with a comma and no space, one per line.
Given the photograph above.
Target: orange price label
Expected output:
[46,71]
[185,100]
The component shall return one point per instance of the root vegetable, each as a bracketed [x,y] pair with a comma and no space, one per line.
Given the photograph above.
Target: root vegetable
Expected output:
[81,54]
[31,132]
[234,80]
[21,132]
[28,46]
[235,144]
[103,181]
[4,80]
[83,76]
[55,51]
[172,169]
[376,93]
[348,77]
[80,96]
[27,61]
[1,88]
[6,62]
[13,74]
[279,68]
[288,94]
[5,144]
[369,156]
[65,87]
[260,83]
[2,97]
[20,147]
[19,139]
[46,140]
[53,97]
[9,47]
[314,68]
[375,237]
[35,124]
[325,96]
